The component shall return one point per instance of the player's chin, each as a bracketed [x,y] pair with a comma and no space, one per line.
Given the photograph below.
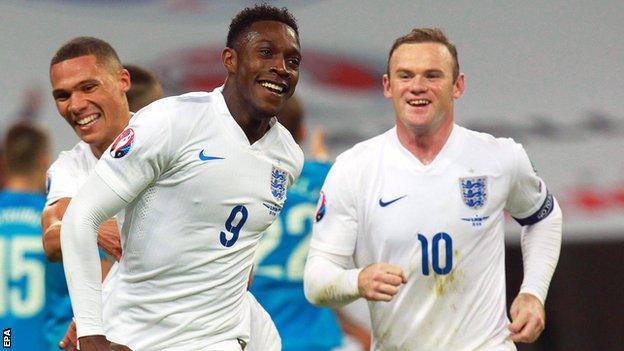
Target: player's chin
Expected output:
[270,108]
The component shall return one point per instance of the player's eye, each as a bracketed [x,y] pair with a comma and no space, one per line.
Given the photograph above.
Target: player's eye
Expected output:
[89,88]
[295,61]
[265,52]
[60,96]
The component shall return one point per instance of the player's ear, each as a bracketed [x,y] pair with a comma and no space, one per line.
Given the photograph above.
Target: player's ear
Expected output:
[229,58]
[386,86]
[459,86]
[124,80]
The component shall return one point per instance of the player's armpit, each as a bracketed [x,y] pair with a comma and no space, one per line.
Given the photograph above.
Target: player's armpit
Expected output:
[528,318]
[51,228]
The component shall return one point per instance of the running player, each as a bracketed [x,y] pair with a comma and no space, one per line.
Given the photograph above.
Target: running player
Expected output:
[421,210]
[190,224]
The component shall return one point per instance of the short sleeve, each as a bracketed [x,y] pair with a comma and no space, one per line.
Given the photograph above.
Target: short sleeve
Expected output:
[140,154]
[335,227]
[529,200]
[61,180]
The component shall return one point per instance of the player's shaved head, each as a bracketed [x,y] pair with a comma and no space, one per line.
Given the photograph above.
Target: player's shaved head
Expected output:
[83,46]
[243,20]
[426,35]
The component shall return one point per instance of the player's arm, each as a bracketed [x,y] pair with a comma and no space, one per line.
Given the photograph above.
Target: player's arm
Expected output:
[93,204]
[354,330]
[329,282]
[541,244]
[537,211]
[51,226]
[108,234]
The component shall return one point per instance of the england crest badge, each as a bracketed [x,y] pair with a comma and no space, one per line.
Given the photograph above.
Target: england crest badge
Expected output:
[279,179]
[474,191]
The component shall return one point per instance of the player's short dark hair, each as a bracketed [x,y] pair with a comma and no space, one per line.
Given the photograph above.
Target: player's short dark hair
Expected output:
[145,87]
[23,143]
[244,19]
[291,117]
[426,35]
[83,46]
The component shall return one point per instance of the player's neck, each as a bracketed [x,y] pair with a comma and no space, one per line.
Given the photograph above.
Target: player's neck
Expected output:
[425,145]
[245,115]
[25,183]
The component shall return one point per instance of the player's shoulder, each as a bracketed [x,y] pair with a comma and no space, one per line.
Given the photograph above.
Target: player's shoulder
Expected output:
[488,142]
[80,153]
[360,154]
[289,142]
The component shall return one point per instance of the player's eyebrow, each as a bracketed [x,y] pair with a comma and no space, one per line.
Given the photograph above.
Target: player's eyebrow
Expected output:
[56,93]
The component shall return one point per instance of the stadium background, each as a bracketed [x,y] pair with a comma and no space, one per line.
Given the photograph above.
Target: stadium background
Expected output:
[548,74]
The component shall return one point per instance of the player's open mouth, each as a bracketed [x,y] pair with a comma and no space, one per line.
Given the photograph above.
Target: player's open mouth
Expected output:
[273,87]
[86,121]
[419,102]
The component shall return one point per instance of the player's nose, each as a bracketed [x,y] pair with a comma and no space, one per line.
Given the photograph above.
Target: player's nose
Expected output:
[77,103]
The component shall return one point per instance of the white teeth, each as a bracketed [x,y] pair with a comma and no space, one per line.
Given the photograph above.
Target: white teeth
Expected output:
[272,86]
[418,102]
[87,120]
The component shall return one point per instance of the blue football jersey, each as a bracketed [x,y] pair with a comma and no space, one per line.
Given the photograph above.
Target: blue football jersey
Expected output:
[280,260]
[58,310]
[22,270]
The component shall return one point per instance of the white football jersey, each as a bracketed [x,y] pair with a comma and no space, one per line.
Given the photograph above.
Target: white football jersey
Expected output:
[199,198]
[70,170]
[443,223]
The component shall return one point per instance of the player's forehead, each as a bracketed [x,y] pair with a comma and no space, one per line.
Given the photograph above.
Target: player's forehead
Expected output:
[428,55]
[273,32]
[68,73]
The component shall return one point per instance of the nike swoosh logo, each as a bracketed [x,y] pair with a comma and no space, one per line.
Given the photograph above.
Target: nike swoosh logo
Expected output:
[208,158]
[384,204]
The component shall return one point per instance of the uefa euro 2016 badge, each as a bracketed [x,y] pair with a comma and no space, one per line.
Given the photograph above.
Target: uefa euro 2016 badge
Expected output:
[278,183]
[121,146]
[320,208]
[474,191]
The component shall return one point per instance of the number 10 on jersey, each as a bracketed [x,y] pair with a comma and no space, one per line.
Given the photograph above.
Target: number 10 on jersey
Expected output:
[436,242]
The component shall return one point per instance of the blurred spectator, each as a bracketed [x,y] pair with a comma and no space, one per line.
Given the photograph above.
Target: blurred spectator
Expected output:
[145,87]
[22,295]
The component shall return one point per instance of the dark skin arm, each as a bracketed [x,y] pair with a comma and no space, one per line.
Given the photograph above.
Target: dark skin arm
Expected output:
[108,235]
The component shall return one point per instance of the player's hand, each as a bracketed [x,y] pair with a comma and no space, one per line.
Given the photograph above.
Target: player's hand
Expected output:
[68,343]
[528,318]
[108,238]
[380,281]
[94,343]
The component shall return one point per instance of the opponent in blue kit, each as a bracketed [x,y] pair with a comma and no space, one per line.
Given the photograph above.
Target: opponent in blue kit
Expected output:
[280,258]
[22,261]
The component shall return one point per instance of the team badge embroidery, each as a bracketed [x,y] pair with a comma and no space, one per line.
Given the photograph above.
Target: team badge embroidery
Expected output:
[278,183]
[474,191]
[122,144]
[320,208]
